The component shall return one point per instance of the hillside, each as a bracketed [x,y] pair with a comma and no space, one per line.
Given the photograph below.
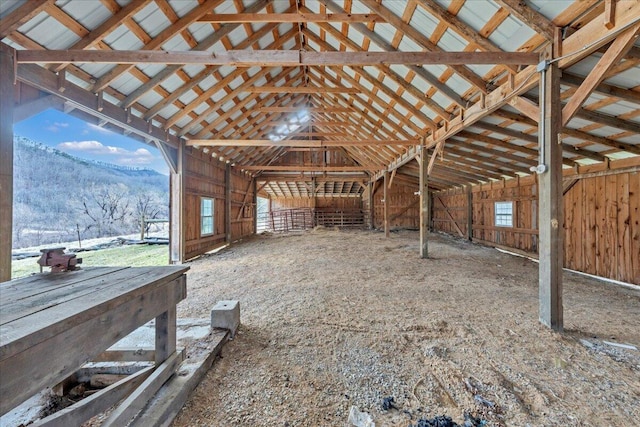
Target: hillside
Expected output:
[57,195]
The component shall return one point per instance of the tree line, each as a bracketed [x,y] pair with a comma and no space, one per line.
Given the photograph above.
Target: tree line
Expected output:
[61,198]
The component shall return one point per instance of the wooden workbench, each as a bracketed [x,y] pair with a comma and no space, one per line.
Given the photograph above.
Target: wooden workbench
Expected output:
[53,323]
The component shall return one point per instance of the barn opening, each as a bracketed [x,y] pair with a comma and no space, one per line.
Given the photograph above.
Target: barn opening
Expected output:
[511,124]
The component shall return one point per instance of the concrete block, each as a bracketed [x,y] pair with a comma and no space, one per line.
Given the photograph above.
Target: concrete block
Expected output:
[226,315]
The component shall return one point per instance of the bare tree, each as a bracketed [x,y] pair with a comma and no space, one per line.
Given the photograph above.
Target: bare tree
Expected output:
[148,206]
[106,211]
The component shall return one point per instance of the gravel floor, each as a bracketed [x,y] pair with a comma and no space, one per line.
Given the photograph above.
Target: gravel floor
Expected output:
[335,319]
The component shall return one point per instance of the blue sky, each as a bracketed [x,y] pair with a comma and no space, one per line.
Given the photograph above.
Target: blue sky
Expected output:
[88,141]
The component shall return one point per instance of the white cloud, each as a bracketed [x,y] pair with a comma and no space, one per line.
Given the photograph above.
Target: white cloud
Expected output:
[119,155]
[55,127]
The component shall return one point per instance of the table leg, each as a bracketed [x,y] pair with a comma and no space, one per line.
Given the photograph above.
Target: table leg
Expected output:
[165,335]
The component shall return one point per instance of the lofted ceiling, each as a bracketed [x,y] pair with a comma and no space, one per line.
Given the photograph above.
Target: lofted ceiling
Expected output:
[342,122]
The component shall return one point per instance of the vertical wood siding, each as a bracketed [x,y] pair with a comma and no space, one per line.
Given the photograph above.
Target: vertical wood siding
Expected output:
[601,221]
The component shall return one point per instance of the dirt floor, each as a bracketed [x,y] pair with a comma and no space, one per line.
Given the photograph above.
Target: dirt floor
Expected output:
[334,319]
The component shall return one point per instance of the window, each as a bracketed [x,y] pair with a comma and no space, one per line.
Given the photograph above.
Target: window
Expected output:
[504,214]
[206,216]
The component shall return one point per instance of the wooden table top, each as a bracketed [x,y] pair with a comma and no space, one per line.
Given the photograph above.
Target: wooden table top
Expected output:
[46,304]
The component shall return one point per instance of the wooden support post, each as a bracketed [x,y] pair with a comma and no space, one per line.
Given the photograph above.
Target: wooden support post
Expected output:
[6,158]
[176,215]
[165,335]
[386,203]
[424,203]
[255,206]
[469,213]
[313,201]
[551,250]
[227,203]
[371,188]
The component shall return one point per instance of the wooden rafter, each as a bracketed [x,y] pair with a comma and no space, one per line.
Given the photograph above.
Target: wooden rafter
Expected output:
[529,17]
[616,51]
[289,17]
[581,44]
[22,14]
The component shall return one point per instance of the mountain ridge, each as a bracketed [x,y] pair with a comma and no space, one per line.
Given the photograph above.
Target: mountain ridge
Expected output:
[57,195]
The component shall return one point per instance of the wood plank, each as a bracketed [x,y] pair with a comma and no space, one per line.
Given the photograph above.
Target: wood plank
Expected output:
[227,202]
[610,250]
[313,143]
[205,44]
[126,355]
[302,108]
[139,398]
[45,282]
[613,55]
[600,221]
[165,331]
[634,226]
[386,203]
[289,17]
[594,35]
[61,317]
[551,249]
[21,15]
[160,39]
[469,210]
[85,101]
[170,399]
[386,46]
[7,74]
[424,202]
[24,306]
[80,412]
[624,244]
[402,211]
[451,218]
[302,168]
[270,58]
[371,190]
[530,17]
[424,42]
[177,206]
[123,317]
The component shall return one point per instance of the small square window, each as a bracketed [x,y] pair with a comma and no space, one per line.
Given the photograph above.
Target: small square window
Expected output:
[504,214]
[206,216]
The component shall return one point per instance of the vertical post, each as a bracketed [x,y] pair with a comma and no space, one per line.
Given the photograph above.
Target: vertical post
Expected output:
[227,203]
[142,226]
[424,203]
[6,159]
[255,206]
[371,187]
[469,213]
[176,213]
[551,250]
[313,201]
[386,203]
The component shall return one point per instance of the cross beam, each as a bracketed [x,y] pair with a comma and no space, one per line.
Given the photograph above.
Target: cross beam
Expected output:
[295,142]
[275,58]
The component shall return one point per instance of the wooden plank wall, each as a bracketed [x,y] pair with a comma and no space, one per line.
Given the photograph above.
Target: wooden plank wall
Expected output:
[605,237]
[205,177]
[242,206]
[321,202]
[601,219]
[404,206]
[315,157]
